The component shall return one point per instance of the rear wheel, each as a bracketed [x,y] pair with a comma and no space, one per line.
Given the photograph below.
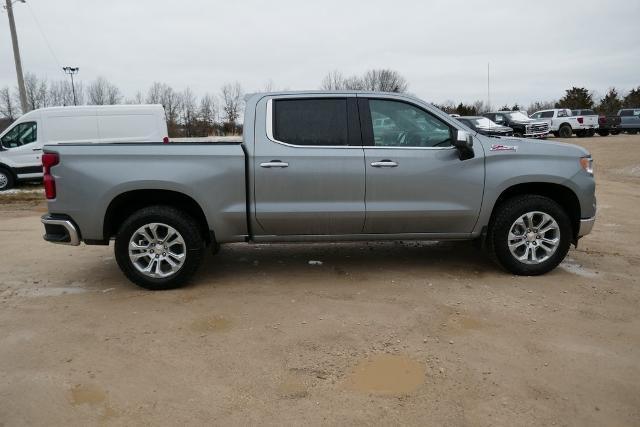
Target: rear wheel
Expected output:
[159,247]
[591,132]
[529,235]
[6,179]
[565,131]
[581,133]
[615,132]
[603,132]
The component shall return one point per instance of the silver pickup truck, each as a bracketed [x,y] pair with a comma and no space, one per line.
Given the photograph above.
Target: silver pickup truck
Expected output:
[321,166]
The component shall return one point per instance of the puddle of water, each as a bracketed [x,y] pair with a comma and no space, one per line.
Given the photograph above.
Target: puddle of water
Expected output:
[572,266]
[48,292]
[87,393]
[387,374]
[210,324]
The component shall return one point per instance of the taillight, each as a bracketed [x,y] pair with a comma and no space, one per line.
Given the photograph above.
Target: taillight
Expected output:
[49,160]
[580,120]
[165,140]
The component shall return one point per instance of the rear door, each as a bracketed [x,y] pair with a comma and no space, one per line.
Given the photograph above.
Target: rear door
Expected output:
[416,182]
[309,167]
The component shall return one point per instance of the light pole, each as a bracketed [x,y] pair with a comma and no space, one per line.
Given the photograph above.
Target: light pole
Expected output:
[16,55]
[71,71]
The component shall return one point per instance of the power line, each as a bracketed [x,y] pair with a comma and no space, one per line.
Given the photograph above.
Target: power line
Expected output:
[44,37]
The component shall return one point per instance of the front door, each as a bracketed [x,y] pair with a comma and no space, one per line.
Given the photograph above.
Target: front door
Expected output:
[23,149]
[415,181]
[309,167]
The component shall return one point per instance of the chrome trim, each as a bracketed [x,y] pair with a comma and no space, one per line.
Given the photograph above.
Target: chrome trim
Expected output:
[269,129]
[384,164]
[586,225]
[74,238]
[274,165]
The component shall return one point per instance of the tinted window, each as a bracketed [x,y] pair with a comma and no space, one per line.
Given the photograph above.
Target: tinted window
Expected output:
[21,134]
[398,124]
[546,114]
[626,113]
[310,121]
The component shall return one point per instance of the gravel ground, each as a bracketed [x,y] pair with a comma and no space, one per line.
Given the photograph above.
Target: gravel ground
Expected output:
[379,333]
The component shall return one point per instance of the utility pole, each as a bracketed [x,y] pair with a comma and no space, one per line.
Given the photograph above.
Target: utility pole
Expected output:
[16,56]
[71,71]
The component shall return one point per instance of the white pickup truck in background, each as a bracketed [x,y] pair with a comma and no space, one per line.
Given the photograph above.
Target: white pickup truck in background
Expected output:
[563,123]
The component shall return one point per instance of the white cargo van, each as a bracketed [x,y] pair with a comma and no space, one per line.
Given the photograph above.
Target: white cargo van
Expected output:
[21,143]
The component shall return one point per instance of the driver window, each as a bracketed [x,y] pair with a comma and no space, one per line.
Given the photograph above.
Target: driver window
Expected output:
[21,134]
[398,124]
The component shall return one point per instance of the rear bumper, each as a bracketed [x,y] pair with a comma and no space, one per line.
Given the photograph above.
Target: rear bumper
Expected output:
[60,230]
[586,225]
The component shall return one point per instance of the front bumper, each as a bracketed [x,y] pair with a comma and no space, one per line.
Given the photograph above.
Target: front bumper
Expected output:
[60,230]
[586,225]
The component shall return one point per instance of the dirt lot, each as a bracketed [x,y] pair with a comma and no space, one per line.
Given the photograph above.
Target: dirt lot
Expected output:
[385,333]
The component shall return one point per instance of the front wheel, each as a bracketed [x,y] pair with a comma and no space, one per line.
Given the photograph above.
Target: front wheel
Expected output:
[529,235]
[565,131]
[159,247]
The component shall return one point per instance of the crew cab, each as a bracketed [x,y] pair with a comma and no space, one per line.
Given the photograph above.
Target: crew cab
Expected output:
[629,120]
[321,166]
[21,143]
[522,125]
[563,123]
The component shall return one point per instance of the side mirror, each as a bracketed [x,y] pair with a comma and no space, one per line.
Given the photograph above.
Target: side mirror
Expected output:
[463,141]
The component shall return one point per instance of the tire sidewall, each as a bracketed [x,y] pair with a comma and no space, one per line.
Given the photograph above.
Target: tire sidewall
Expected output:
[513,211]
[565,131]
[169,216]
[10,181]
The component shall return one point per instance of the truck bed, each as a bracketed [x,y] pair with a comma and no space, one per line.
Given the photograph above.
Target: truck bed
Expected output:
[90,176]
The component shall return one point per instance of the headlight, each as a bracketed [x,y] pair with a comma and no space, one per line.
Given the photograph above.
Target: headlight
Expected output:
[587,164]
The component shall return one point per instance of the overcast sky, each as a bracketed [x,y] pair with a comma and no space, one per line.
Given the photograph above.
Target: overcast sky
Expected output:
[537,49]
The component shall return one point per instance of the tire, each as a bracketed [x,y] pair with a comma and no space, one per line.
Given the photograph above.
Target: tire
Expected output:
[581,134]
[539,259]
[591,132]
[518,135]
[6,179]
[565,131]
[615,132]
[185,249]
[603,132]
[632,132]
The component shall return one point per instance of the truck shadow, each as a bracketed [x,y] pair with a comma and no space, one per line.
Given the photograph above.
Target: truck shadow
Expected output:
[242,262]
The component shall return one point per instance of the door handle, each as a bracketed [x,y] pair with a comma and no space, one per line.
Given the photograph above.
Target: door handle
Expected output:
[384,164]
[274,164]
[36,149]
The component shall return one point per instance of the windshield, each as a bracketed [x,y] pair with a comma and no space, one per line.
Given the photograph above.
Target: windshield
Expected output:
[483,122]
[517,115]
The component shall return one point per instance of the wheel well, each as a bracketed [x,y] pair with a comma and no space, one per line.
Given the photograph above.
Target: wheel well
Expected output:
[127,203]
[8,169]
[564,125]
[560,194]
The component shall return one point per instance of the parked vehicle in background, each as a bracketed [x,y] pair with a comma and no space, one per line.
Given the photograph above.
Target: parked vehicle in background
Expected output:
[629,120]
[321,166]
[608,125]
[21,143]
[485,126]
[590,117]
[522,125]
[564,124]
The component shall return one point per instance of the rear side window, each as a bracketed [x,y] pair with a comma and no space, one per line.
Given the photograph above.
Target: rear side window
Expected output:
[311,122]
[21,134]
[546,114]
[626,113]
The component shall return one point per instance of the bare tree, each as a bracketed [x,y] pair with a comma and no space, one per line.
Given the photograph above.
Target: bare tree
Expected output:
[103,92]
[540,105]
[333,81]
[231,95]
[207,114]
[154,95]
[137,99]
[384,80]
[188,112]
[36,91]
[7,107]
[61,93]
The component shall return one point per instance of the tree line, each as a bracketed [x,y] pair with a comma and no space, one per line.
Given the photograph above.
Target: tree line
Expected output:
[190,115]
[187,114]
